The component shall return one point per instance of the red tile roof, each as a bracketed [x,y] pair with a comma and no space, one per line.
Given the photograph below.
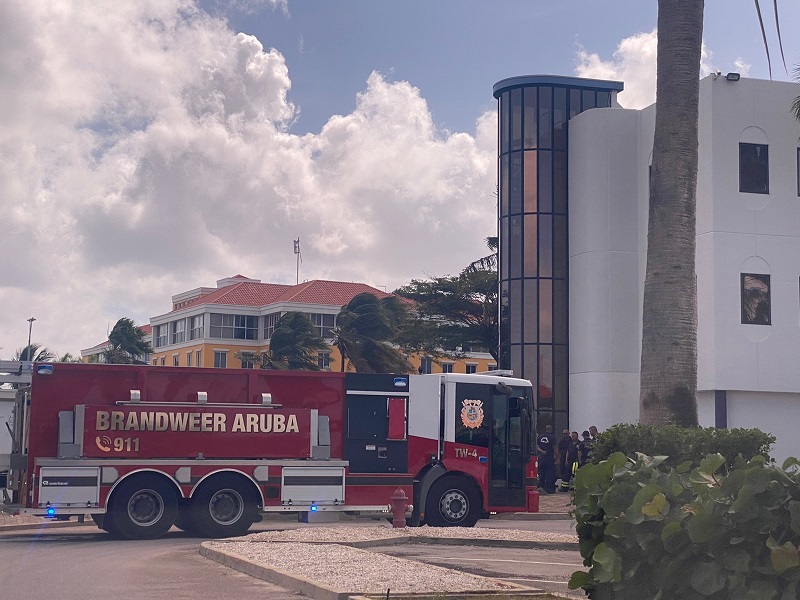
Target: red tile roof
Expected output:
[247,293]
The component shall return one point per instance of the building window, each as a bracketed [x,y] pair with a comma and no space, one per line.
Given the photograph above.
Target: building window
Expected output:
[425,365]
[754,168]
[756,308]
[447,367]
[163,360]
[324,360]
[175,361]
[189,359]
[199,356]
[492,368]
[196,327]
[471,368]
[160,335]
[220,359]
[178,333]
[248,364]
[234,327]
[155,362]
[324,324]
[269,324]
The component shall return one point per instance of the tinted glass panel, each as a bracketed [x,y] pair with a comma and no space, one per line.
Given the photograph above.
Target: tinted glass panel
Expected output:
[756,304]
[560,247]
[516,359]
[754,168]
[603,99]
[559,118]
[560,301]
[530,117]
[530,252]
[504,320]
[504,114]
[546,376]
[516,119]
[588,100]
[515,184]
[545,182]
[504,239]
[560,376]
[504,185]
[516,318]
[515,248]
[530,182]
[545,246]
[574,102]
[531,299]
[545,311]
[531,364]
[545,117]
[560,182]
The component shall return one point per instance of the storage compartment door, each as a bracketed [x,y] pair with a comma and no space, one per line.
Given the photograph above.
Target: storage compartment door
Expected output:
[69,486]
[320,485]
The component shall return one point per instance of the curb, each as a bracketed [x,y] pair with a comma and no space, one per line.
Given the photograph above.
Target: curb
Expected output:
[286,580]
[482,542]
[53,525]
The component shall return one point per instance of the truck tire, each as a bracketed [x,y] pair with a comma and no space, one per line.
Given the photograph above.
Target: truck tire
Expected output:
[452,502]
[223,507]
[142,508]
[103,522]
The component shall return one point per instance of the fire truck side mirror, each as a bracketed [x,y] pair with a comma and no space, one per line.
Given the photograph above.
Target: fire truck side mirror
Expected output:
[502,388]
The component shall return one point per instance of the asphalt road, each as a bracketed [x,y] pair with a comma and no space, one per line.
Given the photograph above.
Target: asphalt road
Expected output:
[82,562]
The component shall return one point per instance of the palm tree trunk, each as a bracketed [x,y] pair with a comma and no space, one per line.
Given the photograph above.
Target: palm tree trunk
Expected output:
[669,333]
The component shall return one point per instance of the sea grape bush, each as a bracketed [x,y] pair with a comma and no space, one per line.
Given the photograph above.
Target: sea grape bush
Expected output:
[681,444]
[710,532]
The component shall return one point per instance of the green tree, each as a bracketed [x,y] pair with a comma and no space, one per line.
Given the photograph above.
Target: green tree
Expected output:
[293,346]
[128,344]
[68,358]
[35,352]
[365,331]
[455,312]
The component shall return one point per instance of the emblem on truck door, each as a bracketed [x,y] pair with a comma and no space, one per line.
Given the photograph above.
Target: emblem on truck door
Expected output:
[472,413]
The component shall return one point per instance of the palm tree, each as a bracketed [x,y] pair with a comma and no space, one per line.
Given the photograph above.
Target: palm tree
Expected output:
[669,333]
[128,343]
[365,327]
[293,346]
[68,358]
[37,351]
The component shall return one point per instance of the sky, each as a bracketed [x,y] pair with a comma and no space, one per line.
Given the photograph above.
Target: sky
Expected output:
[153,147]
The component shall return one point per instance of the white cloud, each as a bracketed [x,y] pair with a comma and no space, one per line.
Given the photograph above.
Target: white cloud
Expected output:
[634,63]
[147,151]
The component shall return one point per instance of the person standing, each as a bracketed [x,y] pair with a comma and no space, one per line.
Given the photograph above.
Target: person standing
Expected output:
[593,433]
[546,451]
[573,458]
[586,448]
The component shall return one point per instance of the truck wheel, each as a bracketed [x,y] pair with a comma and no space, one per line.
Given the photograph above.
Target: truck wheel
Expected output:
[224,507]
[103,522]
[142,508]
[452,502]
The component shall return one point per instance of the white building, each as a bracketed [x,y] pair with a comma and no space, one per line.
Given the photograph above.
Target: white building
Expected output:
[748,259]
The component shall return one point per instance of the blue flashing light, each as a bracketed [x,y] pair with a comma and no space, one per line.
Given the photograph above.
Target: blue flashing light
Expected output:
[482,459]
[313,508]
[51,512]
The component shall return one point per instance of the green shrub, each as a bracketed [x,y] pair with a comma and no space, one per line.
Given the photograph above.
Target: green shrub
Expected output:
[680,444]
[649,531]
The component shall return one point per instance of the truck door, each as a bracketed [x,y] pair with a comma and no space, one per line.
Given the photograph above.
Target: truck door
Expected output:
[507,456]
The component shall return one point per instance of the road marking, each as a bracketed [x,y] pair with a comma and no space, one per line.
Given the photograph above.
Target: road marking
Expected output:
[511,560]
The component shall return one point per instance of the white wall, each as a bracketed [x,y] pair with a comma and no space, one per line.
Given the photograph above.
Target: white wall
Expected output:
[6,407]
[737,232]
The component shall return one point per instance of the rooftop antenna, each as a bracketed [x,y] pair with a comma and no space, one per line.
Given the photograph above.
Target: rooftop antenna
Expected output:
[299,258]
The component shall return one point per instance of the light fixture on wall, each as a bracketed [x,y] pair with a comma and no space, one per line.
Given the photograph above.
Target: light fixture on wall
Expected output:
[732,77]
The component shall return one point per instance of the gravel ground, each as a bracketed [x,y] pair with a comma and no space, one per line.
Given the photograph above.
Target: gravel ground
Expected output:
[347,534]
[359,571]
[316,553]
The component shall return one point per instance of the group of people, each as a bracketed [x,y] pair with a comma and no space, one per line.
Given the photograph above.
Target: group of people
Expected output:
[561,459]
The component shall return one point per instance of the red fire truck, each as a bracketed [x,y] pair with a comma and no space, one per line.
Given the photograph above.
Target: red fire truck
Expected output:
[143,448]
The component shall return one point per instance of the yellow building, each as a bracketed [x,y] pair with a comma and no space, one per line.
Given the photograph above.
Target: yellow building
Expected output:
[207,327]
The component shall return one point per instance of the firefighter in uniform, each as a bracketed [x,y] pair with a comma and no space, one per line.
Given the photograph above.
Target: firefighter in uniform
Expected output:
[546,449]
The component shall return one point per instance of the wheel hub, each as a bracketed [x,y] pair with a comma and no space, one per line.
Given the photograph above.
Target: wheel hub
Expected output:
[226,506]
[145,507]
[454,505]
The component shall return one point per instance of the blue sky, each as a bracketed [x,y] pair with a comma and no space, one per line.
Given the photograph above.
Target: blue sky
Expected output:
[455,50]
[158,146]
